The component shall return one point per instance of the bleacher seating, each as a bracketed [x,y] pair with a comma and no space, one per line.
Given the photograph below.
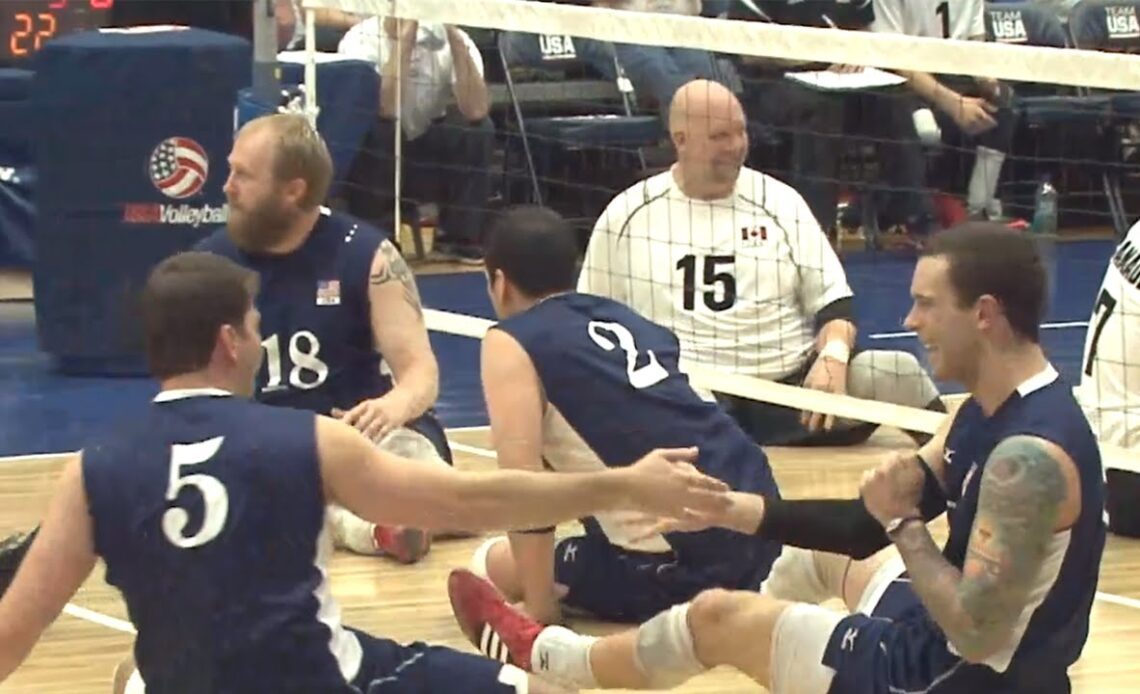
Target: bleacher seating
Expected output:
[564,121]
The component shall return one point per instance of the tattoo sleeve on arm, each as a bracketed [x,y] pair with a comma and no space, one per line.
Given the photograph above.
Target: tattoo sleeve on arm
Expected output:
[1023,488]
[395,269]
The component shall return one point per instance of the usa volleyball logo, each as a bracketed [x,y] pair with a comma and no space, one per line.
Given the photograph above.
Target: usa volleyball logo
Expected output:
[178,167]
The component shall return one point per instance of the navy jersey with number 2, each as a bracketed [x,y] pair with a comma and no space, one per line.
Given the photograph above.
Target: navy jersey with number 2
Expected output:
[614,393]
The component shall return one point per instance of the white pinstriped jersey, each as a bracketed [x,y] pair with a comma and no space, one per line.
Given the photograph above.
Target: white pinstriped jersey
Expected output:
[936,19]
[739,280]
[1110,368]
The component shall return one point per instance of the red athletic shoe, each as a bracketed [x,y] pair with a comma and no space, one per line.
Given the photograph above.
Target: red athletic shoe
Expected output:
[490,623]
[405,545]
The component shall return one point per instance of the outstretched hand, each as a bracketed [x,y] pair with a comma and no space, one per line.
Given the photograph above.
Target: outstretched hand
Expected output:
[664,482]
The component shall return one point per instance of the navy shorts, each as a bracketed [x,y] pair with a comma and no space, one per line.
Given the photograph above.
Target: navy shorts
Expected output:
[418,668]
[898,648]
[618,585]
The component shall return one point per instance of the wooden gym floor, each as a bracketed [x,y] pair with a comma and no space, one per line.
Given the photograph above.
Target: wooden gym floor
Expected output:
[78,653]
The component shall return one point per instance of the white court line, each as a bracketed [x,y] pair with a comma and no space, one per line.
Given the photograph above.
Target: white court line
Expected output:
[460,430]
[1119,600]
[99,618]
[474,450]
[1044,326]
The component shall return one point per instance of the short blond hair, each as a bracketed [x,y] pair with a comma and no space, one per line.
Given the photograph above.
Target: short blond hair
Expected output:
[299,151]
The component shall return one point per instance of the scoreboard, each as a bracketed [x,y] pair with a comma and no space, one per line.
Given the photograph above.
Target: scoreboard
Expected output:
[26,25]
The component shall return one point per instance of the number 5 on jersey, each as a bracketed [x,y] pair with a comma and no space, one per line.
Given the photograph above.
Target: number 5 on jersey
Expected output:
[215,499]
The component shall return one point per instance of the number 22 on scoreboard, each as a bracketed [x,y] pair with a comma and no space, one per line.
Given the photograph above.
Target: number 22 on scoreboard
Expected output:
[30,32]
[33,28]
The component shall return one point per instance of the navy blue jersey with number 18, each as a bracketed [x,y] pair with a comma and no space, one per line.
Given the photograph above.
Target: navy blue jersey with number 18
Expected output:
[614,393]
[315,316]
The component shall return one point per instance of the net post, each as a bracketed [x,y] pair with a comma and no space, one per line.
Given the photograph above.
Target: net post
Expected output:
[312,108]
[266,75]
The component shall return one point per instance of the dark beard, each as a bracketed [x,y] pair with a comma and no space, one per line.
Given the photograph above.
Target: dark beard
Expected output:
[259,229]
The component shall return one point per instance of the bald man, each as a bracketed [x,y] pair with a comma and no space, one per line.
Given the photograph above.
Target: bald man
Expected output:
[735,263]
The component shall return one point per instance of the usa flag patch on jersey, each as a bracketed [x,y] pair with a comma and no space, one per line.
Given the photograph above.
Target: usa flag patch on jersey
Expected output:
[328,292]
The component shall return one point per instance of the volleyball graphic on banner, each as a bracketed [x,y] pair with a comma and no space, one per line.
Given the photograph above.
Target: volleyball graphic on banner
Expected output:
[178,167]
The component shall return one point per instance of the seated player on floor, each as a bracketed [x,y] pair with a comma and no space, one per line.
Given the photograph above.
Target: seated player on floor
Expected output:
[1004,606]
[577,382]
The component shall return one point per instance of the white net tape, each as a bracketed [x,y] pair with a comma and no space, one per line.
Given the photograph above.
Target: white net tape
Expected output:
[1017,63]
[1071,67]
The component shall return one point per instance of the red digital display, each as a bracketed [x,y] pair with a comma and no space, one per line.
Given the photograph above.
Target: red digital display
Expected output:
[26,25]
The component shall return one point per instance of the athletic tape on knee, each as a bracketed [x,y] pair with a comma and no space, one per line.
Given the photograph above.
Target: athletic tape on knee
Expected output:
[479,559]
[514,677]
[665,651]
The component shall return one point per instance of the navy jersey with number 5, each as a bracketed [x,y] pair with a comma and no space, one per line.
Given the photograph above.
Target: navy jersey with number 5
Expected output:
[315,317]
[209,513]
[614,393]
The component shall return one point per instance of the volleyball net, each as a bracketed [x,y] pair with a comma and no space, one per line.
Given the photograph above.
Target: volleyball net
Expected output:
[868,139]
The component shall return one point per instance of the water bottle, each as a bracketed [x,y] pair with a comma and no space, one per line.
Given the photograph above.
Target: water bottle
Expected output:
[1044,230]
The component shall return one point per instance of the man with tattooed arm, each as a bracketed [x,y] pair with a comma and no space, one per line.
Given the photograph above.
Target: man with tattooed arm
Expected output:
[336,300]
[1003,606]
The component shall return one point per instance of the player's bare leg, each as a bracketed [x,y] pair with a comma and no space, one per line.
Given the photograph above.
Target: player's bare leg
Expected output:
[494,561]
[717,628]
[802,575]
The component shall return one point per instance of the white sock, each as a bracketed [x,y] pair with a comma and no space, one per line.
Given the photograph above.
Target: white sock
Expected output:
[563,655]
[351,532]
[984,179]
[795,578]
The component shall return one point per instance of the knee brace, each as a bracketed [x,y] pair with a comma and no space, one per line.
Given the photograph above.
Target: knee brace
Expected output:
[665,651]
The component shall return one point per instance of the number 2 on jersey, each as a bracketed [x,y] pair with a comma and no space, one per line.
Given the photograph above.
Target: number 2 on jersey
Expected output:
[215,499]
[639,376]
[1108,302]
[722,296]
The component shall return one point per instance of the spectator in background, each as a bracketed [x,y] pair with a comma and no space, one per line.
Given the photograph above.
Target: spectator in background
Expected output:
[659,71]
[330,25]
[656,72]
[436,66]
[734,263]
[977,108]
[813,120]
